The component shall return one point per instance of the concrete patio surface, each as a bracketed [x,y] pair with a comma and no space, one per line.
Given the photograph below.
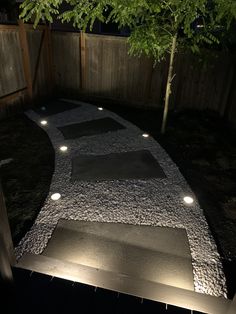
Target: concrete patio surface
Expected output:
[89,128]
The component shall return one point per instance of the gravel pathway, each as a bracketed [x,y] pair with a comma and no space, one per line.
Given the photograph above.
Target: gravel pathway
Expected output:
[156,202]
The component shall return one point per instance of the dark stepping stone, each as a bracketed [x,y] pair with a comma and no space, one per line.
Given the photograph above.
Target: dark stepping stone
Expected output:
[54,107]
[117,166]
[89,128]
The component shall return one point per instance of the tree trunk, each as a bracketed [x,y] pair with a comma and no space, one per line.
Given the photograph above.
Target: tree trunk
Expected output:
[168,84]
[7,257]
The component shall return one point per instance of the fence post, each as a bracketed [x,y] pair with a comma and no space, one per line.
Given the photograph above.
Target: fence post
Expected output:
[48,39]
[26,58]
[229,100]
[7,257]
[82,60]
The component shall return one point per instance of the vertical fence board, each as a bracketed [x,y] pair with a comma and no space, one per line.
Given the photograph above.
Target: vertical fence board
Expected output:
[41,87]
[48,43]
[66,60]
[25,58]
[82,60]
[11,69]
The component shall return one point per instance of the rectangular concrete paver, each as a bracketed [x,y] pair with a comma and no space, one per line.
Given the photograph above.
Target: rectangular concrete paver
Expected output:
[88,128]
[54,107]
[155,254]
[116,166]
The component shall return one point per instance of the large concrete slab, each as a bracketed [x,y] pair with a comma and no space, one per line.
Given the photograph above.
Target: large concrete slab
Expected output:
[88,128]
[55,107]
[116,166]
[154,254]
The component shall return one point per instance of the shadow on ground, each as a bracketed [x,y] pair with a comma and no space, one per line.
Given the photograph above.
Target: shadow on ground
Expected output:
[26,179]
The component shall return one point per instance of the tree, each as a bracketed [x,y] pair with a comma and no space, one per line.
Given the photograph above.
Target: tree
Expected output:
[157,27]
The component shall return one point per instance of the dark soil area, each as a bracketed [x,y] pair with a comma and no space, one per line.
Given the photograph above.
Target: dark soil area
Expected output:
[26,179]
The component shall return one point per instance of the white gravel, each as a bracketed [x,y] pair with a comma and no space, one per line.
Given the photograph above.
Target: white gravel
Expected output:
[156,202]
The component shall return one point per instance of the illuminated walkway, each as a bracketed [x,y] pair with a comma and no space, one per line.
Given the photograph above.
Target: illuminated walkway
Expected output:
[153,198]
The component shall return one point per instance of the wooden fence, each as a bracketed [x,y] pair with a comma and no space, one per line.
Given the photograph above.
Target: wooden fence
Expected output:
[34,62]
[100,66]
[25,64]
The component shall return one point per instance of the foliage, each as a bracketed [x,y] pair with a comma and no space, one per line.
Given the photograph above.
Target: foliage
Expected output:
[153,23]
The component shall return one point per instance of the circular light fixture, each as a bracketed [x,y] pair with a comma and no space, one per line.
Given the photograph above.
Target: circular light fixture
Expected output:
[100,108]
[63,148]
[55,196]
[43,122]
[188,200]
[145,135]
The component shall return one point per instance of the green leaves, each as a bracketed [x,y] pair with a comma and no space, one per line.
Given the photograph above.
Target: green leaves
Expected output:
[150,40]
[152,23]
[84,13]
[39,9]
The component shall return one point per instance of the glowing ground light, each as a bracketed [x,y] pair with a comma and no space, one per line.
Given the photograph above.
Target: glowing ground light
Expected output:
[43,122]
[188,200]
[43,108]
[63,148]
[55,196]
[145,135]
[100,108]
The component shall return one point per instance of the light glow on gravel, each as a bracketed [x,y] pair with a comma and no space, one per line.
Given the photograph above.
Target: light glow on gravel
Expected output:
[100,108]
[63,148]
[56,196]
[145,135]
[188,199]
[44,122]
